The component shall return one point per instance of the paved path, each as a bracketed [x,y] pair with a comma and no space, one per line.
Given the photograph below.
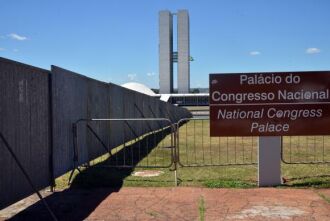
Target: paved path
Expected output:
[185,203]
[219,204]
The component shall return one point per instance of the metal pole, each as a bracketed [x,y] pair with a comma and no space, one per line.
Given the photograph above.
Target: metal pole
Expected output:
[106,148]
[175,178]
[175,156]
[269,161]
[75,152]
[27,177]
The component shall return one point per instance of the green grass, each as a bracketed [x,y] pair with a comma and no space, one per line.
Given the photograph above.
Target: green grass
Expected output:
[201,209]
[228,184]
[310,182]
[194,108]
[327,199]
[152,213]
[198,149]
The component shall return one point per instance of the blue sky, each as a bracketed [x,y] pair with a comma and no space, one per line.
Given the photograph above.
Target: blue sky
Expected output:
[117,41]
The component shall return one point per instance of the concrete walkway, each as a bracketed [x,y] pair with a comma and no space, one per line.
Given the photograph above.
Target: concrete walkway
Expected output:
[185,203]
[217,204]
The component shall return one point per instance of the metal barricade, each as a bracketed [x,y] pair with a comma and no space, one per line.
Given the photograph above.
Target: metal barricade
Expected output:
[128,143]
[196,148]
[157,143]
[305,149]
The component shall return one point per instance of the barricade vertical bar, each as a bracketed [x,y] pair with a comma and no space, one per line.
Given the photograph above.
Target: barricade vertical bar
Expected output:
[177,143]
[195,140]
[124,142]
[203,141]
[227,150]
[314,149]
[163,145]
[290,150]
[252,148]
[186,130]
[323,148]
[172,144]
[139,143]
[243,150]
[132,149]
[75,151]
[116,155]
[210,140]
[176,153]
[147,146]
[154,144]
[219,148]
[235,151]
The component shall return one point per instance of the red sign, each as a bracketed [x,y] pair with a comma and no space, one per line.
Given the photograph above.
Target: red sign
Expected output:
[270,104]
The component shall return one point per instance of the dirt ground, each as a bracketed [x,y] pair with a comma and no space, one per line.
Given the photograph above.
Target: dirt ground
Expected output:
[180,203]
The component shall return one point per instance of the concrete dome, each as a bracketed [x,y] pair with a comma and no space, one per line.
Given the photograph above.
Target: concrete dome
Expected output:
[139,88]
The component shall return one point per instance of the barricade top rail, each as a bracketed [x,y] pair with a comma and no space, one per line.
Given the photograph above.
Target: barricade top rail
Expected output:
[123,119]
[194,118]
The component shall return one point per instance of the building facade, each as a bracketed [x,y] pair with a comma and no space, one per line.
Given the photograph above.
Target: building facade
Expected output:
[183,52]
[165,52]
[167,56]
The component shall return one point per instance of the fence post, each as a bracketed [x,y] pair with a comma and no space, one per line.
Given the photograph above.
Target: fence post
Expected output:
[269,161]
[75,151]
[174,128]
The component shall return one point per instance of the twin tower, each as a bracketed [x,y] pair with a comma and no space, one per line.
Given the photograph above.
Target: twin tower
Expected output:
[167,56]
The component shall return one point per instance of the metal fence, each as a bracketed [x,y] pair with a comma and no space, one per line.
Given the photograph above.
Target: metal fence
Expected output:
[305,149]
[141,145]
[188,144]
[195,146]
[159,143]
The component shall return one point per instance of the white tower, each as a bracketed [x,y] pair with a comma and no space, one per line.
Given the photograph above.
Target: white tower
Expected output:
[166,53]
[183,52]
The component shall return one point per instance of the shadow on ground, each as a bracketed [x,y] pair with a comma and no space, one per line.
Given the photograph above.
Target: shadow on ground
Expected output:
[320,181]
[90,187]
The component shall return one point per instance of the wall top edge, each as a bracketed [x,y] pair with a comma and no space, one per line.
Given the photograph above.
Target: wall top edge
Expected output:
[6,60]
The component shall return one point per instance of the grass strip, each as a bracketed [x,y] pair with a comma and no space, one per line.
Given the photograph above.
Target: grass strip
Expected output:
[201,208]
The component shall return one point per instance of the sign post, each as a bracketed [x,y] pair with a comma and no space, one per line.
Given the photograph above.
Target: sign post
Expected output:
[269,161]
[270,105]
